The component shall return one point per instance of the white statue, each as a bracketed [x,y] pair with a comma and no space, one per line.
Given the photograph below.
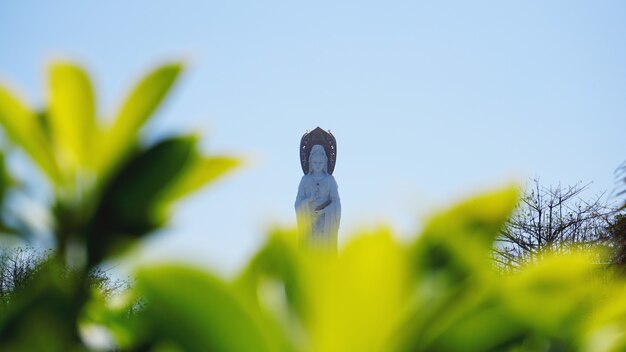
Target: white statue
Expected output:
[317,205]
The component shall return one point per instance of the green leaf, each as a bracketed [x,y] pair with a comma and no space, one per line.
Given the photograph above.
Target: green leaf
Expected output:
[604,329]
[6,182]
[458,241]
[138,186]
[478,324]
[134,112]
[552,293]
[451,265]
[199,312]
[5,178]
[72,115]
[201,172]
[278,263]
[23,128]
[131,201]
[358,300]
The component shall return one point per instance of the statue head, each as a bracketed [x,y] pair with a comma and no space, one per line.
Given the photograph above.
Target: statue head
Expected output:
[318,159]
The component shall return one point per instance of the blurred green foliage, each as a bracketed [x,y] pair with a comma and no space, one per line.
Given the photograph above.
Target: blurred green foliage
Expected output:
[109,188]
[439,292]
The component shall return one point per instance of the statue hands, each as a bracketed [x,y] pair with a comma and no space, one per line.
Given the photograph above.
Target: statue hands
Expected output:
[323,205]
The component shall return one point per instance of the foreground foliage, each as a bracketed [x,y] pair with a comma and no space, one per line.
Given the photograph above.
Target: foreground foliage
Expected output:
[439,292]
[107,189]
[19,266]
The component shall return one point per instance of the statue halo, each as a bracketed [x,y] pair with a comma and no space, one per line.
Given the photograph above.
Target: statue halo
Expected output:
[323,138]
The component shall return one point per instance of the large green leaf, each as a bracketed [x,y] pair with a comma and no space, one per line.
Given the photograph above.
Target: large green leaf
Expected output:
[6,182]
[24,129]
[202,171]
[199,312]
[131,201]
[134,112]
[278,266]
[452,268]
[72,115]
[548,295]
[357,300]
[459,241]
[605,330]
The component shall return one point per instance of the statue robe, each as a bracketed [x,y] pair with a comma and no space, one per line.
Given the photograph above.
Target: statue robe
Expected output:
[318,230]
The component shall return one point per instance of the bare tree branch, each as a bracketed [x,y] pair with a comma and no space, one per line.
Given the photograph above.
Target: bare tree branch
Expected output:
[553,218]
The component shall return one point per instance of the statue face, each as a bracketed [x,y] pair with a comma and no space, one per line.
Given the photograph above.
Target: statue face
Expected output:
[317,164]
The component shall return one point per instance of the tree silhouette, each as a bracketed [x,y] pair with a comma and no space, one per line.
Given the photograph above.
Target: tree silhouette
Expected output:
[554,218]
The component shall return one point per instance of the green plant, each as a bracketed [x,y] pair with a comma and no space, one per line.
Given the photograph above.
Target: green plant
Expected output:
[19,266]
[439,292]
[109,188]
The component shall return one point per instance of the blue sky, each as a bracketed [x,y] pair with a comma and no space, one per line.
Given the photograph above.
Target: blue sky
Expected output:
[429,101]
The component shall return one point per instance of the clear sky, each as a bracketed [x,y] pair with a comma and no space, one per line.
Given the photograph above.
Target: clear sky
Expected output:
[429,101]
